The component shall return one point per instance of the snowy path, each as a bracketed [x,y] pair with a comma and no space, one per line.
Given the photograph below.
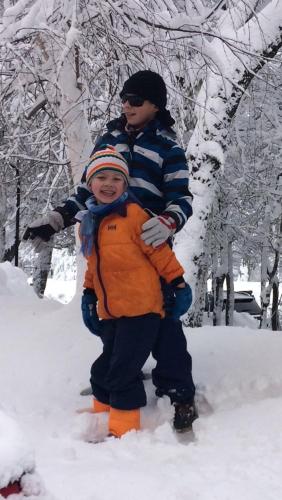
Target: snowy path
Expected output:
[237,455]
[45,357]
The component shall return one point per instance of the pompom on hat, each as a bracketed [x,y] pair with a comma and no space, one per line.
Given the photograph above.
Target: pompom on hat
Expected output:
[149,85]
[107,159]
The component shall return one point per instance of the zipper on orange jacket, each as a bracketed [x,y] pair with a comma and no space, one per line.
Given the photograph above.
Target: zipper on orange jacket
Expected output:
[99,274]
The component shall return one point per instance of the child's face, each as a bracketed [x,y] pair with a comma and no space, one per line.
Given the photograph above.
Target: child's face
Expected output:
[107,186]
[139,116]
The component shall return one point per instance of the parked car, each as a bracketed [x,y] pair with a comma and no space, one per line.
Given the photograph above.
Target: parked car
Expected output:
[244,301]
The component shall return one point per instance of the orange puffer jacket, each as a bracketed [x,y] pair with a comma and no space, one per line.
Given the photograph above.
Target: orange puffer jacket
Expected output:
[124,272]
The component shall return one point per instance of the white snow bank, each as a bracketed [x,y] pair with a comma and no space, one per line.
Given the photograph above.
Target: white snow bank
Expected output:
[13,282]
[14,286]
[234,365]
[60,290]
[45,357]
[16,456]
[17,462]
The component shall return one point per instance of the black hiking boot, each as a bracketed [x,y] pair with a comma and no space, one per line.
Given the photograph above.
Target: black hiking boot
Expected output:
[184,416]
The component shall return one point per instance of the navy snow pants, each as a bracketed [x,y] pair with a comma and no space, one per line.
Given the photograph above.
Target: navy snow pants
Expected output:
[172,375]
[116,375]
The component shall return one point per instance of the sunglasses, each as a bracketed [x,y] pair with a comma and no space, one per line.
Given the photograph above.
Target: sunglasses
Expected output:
[133,100]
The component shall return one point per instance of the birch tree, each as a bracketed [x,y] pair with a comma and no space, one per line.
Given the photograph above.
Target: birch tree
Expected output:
[74,56]
[219,98]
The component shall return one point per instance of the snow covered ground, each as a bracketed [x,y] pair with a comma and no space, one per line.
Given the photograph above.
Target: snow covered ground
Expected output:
[45,357]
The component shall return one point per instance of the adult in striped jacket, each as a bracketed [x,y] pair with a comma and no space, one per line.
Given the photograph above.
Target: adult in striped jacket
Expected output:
[159,180]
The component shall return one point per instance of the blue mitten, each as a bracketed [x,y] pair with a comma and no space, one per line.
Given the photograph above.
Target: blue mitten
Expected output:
[89,312]
[182,302]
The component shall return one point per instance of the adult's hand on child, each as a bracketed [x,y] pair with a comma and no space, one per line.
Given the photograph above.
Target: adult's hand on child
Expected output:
[42,229]
[182,302]
[89,312]
[158,230]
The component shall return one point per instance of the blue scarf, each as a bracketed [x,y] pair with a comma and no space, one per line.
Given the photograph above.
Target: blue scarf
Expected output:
[89,221]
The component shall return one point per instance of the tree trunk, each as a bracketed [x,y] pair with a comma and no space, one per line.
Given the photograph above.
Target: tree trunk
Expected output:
[10,253]
[218,300]
[263,291]
[18,206]
[229,307]
[275,323]
[2,222]
[41,270]
[78,138]
[199,295]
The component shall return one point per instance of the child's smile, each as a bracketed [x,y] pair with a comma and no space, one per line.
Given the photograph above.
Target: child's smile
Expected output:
[107,186]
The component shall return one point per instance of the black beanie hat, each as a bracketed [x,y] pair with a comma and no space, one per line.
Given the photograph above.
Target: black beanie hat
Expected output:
[147,84]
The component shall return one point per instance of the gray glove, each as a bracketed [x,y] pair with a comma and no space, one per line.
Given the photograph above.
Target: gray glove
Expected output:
[42,229]
[158,230]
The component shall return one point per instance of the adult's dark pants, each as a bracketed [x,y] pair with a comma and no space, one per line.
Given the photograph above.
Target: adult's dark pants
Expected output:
[172,375]
[116,375]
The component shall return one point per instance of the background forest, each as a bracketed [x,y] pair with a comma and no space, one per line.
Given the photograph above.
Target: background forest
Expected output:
[62,66]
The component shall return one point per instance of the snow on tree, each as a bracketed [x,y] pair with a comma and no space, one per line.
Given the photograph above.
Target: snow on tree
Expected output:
[221,92]
[70,58]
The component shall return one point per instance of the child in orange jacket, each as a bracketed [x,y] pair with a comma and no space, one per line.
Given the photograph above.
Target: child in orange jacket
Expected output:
[122,300]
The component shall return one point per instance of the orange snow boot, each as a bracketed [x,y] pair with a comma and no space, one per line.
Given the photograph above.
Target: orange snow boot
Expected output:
[97,407]
[122,421]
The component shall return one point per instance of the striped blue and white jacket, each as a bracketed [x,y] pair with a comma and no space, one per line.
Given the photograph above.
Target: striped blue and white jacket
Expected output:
[157,167]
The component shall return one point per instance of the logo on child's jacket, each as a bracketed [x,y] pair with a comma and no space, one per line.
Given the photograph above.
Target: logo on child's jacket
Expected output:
[111,227]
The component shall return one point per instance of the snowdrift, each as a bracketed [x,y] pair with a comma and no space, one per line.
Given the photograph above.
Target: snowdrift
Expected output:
[45,357]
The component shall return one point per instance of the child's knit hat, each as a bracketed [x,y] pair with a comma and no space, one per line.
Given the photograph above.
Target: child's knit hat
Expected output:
[149,85]
[107,159]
